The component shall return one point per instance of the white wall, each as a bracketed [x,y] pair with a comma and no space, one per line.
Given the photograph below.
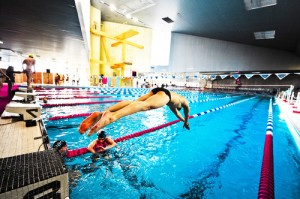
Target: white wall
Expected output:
[191,53]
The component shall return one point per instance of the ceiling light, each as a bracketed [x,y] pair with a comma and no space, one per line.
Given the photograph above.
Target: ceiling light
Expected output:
[128,16]
[1,42]
[265,34]
[112,7]
[135,19]
[255,4]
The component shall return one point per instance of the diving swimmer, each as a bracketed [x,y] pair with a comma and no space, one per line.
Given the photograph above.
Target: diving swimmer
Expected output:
[156,98]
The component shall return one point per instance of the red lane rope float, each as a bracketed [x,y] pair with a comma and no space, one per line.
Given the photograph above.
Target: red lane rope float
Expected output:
[76,96]
[137,134]
[296,111]
[266,184]
[59,117]
[76,152]
[79,103]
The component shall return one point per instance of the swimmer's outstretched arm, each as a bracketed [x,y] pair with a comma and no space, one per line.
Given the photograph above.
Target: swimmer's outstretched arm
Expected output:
[91,147]
[179,116]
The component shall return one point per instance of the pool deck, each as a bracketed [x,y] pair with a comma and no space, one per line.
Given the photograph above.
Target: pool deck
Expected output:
[17,139]
[28,169]
[290,110]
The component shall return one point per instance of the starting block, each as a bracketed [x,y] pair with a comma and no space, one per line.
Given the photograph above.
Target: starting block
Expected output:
[28,97]
[28,111]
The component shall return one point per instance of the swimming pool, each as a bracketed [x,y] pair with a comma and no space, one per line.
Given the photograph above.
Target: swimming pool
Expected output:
[220,157]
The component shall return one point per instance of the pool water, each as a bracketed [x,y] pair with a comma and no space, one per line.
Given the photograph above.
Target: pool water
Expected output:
[219,157]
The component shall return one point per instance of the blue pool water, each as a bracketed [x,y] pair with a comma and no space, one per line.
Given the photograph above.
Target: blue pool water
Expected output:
[220,157]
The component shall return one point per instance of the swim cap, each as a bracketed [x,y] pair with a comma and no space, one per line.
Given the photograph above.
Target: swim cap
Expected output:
[59,144]
[101,134]
[30,55]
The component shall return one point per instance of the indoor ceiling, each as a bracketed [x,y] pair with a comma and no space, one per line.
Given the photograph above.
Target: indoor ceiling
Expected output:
[217,19]
[50,29]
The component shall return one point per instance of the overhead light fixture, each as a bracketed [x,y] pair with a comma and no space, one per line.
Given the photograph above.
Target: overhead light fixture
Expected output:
[265,34]
[1,42]
[255,4]
[128,16]
[112,7]
[123,13]
[168,20]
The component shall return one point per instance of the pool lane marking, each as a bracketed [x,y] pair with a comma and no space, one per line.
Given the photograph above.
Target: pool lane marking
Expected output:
[75,115]
[140,133]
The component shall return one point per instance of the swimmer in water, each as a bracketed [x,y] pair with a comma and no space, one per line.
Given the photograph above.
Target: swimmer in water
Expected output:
[101,144]
[156,98]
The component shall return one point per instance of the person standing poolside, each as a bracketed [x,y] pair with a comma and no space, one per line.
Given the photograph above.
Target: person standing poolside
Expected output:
[29,65]
[10,74]
[101,144]
[156,98]
[2,75]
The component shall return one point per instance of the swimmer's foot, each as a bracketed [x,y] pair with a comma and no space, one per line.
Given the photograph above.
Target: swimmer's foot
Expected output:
[105,120]
[89,121]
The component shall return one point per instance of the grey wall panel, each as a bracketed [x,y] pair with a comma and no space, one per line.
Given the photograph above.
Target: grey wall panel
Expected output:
[191,53]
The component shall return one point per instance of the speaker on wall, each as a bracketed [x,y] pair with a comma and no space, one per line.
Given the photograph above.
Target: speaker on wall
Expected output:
[48,70]
[133,73]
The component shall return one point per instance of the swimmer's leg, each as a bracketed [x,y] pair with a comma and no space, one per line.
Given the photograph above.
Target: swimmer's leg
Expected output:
[104,121]
[89,121]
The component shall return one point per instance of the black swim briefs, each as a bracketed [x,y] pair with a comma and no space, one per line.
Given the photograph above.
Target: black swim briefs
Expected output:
[156,90]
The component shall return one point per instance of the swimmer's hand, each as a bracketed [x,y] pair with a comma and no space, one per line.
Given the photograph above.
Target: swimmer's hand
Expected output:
[186,125]
[100,150]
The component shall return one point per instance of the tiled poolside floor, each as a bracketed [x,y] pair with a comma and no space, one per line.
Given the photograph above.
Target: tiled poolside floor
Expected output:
[17,139]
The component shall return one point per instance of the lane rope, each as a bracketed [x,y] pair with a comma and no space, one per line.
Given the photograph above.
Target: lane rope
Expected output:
[266,184]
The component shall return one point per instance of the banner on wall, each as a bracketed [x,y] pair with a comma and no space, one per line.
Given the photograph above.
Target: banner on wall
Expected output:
[235,76]
[249,75]
[223,76]
[212,77]
[281,75]
[265,76]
